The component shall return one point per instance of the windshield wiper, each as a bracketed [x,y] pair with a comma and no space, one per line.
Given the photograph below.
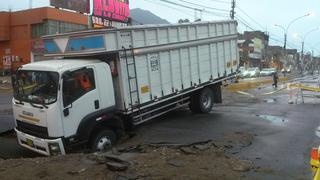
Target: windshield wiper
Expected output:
[45,106]
[41,102]
[35,105]
[19,102]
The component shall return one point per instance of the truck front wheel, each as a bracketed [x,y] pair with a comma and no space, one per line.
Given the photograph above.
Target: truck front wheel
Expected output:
[103,140]
[202,102]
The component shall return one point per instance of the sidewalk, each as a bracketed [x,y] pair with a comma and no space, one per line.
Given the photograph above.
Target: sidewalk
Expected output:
[252,83]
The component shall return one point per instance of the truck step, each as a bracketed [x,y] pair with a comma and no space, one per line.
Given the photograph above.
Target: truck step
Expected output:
[132,77]
[134,91]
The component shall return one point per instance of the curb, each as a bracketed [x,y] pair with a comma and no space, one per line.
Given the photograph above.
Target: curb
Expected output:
[251,85]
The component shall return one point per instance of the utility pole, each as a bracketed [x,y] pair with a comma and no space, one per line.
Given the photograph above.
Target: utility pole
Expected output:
[195,14]
[30,4]
[233,6]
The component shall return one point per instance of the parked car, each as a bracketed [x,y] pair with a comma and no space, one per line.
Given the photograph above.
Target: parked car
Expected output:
[251,72]
[286,70]
[267,71]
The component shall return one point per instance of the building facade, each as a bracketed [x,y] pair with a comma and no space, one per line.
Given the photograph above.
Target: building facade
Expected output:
[252,46]
[278,57]
[21,31]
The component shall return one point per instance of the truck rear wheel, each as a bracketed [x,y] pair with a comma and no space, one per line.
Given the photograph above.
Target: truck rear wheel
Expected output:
[202,102]
[103,140]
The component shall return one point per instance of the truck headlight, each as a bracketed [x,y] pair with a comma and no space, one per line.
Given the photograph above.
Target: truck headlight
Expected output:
[54,148]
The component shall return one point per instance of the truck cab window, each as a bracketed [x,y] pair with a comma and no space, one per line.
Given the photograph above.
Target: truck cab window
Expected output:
[77,84]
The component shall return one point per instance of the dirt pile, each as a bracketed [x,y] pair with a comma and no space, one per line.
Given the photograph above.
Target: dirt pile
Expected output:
[208,160]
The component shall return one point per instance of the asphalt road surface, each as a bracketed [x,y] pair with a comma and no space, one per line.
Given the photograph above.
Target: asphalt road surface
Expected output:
[6,118]
[283,133]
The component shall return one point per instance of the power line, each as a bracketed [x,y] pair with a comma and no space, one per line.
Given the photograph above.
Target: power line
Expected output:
[216,14]
[170,7]
[220,1]
[181,5]
[257,23]
[196,9]
[206,7]
[246,24]
[252,19]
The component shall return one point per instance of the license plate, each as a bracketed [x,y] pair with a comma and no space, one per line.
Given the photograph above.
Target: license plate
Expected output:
[30,142]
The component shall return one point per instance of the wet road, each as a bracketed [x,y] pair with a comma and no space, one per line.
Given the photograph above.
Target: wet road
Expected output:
[284,133]
[8,144]
[6,118]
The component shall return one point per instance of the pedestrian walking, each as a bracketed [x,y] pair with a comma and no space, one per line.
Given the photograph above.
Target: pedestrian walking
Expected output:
[275,79]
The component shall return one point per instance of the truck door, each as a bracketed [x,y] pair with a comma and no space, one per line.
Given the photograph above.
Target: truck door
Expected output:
[80,98]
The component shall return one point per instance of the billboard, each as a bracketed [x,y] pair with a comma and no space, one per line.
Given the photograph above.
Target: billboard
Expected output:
[76,5]
[114,10]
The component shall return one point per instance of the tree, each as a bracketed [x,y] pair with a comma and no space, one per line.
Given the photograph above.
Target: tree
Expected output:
[183,21]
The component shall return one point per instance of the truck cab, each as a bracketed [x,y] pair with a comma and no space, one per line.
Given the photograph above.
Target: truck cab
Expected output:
[57,103]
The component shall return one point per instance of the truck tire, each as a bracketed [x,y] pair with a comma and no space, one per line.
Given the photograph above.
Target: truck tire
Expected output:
[202,102]
[103,140]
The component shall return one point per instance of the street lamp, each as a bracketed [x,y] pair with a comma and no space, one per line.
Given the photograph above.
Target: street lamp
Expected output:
[296,35]
[285,30]
[306,35]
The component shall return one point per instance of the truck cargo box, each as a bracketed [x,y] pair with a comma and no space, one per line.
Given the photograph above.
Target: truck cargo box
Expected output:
[156,62]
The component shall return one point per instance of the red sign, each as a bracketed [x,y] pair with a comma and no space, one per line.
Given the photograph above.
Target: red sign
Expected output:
[37,46]
[115,10]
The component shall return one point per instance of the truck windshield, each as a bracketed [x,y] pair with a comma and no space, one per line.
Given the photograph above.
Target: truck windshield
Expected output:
[36,86]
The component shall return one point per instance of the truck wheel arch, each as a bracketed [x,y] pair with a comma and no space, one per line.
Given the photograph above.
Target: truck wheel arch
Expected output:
[98,119]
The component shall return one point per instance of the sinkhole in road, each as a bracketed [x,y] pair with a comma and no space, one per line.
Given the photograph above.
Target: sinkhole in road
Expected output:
[272,119]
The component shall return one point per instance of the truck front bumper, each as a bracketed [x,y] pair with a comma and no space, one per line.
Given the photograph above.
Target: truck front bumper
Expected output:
[45,147]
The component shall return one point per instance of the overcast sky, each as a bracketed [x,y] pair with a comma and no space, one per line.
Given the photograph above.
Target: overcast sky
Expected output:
[264,13]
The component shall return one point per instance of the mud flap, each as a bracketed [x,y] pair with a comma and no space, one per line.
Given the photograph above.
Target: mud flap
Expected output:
[217,93]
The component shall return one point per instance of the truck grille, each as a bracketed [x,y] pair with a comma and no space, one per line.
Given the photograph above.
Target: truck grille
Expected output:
[37,131]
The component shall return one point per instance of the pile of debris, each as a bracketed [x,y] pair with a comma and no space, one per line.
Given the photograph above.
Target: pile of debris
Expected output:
[206,159]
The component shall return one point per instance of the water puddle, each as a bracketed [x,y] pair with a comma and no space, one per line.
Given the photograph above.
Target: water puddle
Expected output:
[273,119]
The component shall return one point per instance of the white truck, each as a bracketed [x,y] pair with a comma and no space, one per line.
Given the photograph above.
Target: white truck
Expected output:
[101,83]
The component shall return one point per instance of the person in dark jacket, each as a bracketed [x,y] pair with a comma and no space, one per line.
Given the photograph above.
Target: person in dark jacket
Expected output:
[275,79]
